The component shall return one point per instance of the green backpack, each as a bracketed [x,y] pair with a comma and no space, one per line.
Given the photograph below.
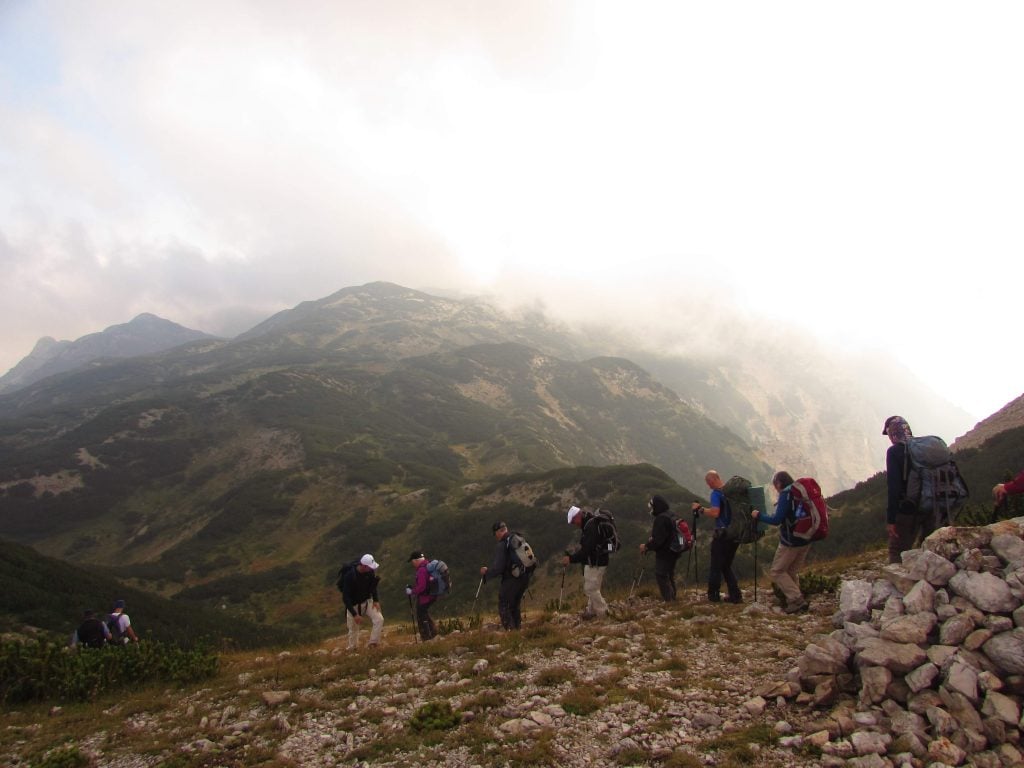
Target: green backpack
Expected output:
[742,527]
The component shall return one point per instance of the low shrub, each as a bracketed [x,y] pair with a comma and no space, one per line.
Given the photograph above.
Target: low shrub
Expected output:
[46,671]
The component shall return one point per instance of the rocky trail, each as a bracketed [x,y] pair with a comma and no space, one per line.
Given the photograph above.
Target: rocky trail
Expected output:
[687,684]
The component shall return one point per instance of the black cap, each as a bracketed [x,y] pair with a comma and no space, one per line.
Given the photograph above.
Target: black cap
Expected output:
[416,555]
[498,526]
[885,427]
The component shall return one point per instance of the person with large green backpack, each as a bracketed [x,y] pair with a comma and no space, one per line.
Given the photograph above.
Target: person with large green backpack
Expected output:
[723,545]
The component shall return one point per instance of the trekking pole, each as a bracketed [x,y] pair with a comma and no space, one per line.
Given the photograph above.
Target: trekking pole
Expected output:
[415,628]
[636,583]
[755,562]
[561,590]
[477,597]
[696,554]
[997,508]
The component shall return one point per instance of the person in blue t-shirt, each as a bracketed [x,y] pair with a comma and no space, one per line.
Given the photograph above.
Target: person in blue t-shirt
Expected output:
[723,550]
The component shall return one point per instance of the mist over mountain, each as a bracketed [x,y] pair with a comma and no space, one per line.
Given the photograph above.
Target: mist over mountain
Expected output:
[250,466]
[146,334]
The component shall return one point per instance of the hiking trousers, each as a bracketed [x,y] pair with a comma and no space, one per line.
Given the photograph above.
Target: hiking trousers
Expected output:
[785,571]
[665,575]
[367,611]
[723,552]
[424,622]
[593,578]
[510,598]
[910,529]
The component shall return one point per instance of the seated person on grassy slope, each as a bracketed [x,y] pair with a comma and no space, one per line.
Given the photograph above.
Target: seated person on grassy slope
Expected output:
[92,632]
[120,625]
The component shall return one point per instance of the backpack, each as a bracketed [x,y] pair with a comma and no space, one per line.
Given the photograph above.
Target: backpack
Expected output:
[114,625]
[440,579]
[523,558]
[340,583]
[742,528]
[810,512]
[91,634]
[607,532]
[683,540]
[932,482]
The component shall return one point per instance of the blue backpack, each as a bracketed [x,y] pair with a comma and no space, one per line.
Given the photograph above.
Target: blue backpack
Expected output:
[440,578]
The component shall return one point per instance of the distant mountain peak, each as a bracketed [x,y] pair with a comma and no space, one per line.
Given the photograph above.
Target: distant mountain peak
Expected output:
[145,334]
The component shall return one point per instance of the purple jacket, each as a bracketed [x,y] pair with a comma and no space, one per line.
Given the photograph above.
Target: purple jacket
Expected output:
[422,586]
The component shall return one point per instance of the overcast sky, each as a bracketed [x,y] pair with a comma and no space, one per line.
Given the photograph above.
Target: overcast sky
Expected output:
[856,169]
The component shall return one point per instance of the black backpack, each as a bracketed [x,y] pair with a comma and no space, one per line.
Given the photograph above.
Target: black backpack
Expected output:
[607,532]
[91,634]
[742,527]
[932,481]
[340,583]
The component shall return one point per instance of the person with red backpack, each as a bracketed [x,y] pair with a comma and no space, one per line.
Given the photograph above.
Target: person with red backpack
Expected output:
[664,534]
[792,550]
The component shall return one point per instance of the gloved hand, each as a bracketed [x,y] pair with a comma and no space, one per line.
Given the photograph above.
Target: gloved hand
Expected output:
[408,591]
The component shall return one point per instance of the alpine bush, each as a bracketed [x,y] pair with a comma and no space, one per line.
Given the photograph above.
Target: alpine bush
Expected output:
[46,671]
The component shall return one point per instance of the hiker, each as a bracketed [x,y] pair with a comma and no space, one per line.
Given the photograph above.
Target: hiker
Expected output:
[663,534]
[723,549]
[514,578]
[92,632]
[421,591]
[359,591]
[593,554]
[792,551]
[120,625]
[903,524]
[1002,490]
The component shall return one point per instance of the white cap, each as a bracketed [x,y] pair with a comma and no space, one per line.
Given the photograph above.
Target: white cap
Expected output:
[573,511]
[369,562]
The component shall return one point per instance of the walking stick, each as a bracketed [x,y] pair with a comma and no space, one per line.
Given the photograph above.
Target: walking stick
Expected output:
[415,626]
[561,590]
[477,597]
[636,583]
[755,562]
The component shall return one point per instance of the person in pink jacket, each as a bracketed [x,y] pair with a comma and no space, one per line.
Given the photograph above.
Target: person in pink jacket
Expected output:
[421,591]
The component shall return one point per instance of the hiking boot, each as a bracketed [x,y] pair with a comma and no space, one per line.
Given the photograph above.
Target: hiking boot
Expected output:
[798,607]
[734,600]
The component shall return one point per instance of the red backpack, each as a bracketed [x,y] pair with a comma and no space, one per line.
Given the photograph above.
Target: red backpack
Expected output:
[809,510]
[683,540]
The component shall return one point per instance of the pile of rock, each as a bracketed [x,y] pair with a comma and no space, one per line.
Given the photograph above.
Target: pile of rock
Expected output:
[927,662]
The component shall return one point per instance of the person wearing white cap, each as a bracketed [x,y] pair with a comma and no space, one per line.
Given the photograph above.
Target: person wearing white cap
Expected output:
[594,558]
[359,582]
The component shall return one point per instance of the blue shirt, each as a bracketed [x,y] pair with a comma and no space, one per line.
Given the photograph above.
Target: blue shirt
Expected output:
[724,515]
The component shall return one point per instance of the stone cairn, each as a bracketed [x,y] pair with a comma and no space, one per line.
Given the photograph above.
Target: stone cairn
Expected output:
[926,665]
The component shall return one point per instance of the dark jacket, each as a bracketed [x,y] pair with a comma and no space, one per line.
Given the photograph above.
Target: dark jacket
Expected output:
[357,588]
[663,534]
[592,550]
[895,482]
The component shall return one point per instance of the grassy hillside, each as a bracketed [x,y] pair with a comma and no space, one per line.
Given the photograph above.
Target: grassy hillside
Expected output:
[51,595]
